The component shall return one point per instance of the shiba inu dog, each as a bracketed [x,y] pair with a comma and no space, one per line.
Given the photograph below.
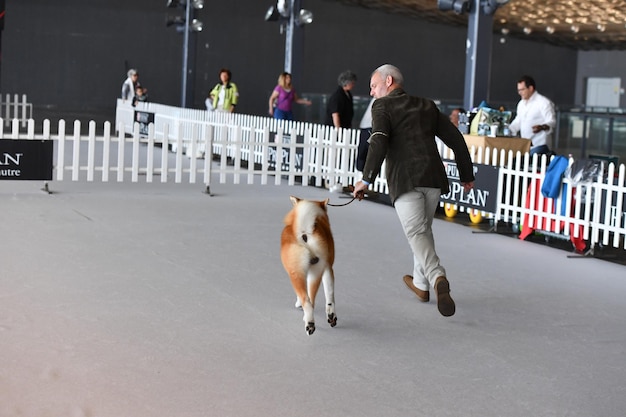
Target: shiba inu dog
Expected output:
[307,251]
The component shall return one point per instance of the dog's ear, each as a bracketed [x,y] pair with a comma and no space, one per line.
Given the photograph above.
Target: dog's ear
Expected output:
[324,203]
[294,200]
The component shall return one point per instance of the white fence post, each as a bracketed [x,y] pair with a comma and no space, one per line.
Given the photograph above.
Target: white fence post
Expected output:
[61,150]
[106,151]
[121,144]
[91,151]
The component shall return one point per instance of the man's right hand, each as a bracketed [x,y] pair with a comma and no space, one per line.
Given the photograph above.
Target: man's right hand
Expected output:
[467,186]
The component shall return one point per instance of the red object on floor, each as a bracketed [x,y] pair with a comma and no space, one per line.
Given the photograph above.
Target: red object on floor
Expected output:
[544,223]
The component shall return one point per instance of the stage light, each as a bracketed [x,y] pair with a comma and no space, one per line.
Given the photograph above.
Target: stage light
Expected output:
[459,6]
[196,25]
[305,17]
[283,8]
[490,6]
[272,15]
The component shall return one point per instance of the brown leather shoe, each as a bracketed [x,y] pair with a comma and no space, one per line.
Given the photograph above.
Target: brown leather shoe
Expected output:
[445,303]
[421,295]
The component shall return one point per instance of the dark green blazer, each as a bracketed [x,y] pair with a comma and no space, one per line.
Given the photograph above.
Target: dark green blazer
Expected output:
[403,132]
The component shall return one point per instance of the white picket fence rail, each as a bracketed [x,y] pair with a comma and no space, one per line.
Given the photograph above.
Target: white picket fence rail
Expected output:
[258,149]
[14,107]
[322,156]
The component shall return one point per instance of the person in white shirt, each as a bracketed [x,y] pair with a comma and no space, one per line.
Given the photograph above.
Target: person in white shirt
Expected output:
[535,118]
[366,131]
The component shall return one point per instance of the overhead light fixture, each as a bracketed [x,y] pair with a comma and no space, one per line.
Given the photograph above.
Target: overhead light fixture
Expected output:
[305,17]
[198,4]
[528,30]
[459,6]
[283,8]
[601,27]
[550,29]
[575,28]
[490,6]
[272,15]
[281,12]
[196,25]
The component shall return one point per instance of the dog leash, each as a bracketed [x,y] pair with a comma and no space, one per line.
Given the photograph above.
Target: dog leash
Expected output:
[344,204]
[351,188]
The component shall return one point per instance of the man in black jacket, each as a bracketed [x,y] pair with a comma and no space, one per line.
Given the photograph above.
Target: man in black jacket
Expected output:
[339,109]
[403,133]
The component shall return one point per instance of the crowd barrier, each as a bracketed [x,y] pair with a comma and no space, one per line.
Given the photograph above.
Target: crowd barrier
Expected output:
[251,149]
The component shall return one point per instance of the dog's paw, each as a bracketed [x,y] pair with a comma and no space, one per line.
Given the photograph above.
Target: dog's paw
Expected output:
[310,328]
[298,303]
[332,319]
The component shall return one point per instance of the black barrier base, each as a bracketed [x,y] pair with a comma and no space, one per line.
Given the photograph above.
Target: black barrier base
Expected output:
[494,229]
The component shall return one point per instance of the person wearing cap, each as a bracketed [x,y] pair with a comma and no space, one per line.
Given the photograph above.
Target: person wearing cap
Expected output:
[130,85]
[339,109]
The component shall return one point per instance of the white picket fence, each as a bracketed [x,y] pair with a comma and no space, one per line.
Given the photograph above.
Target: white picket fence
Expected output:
[251,149]
[594,210]
[247,154]
[14,107]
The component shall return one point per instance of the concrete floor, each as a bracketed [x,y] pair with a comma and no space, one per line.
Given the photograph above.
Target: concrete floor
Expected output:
[156,300]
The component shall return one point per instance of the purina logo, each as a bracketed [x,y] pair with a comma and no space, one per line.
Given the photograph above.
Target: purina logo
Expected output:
[26,159]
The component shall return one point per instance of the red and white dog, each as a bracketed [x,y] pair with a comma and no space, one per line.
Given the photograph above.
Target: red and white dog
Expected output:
[307,251]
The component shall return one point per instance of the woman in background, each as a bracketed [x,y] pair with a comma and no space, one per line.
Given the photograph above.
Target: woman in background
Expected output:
[224,95]
[283,97]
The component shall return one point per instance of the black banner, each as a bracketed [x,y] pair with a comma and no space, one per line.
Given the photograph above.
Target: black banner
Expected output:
[24,159]
[482,196]
[285,158]
[144,118]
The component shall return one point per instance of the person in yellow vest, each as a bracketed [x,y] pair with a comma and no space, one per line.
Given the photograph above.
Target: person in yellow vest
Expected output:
[224,95]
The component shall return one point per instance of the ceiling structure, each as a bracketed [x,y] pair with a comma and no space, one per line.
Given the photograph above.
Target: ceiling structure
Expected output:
[576,24]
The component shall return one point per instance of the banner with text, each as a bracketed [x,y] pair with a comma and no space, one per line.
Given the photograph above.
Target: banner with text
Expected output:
[482,196]
[26,159]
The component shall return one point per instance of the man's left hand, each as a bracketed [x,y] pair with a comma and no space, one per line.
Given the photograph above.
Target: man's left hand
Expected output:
[359,190]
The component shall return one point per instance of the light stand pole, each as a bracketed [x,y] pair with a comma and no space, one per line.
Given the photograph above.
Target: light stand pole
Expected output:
[478,45]
[185,73]
[289,27]
[291,19]
[478,56]
[188,25]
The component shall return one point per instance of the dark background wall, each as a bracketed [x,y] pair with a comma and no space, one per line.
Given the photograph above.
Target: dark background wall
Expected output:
[73,54]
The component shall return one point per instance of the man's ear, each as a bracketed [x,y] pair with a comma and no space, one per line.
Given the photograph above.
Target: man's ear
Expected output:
[389,80]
